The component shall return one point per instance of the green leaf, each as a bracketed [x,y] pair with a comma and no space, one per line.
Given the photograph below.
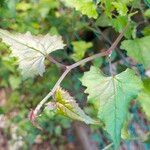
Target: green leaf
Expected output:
[23,6]
[121,8]
[111,6]
[138,49]
[108,7]
[14,82]
[147,13]
[147,2]
[146,31]
[58,130]
[98,62]
[125,134]
[120,22]
[86,7]
[103,21]
[31,50]
[66,105]
[144,97]
[136,4]
[113,95]
[80,48]
[44,6]
[53,31]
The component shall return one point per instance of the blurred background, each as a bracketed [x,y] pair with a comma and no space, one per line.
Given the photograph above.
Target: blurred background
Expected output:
[83,37]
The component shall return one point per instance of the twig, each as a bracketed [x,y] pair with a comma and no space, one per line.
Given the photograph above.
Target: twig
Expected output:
[51,59]
[108,146]
[69,68]
[51,92]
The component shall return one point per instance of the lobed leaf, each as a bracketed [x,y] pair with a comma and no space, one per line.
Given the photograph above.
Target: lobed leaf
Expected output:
[121,8]
[31,50]
[112,95]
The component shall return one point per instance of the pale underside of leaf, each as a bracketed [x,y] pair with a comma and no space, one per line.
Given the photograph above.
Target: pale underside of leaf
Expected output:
[31,50]
[114,95]
[66,105]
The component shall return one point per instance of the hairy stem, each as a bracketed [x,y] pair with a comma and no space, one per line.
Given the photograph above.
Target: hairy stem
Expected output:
[37,109]
[51,59]
[69,68]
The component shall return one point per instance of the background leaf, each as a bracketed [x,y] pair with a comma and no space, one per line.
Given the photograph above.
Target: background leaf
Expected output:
[144,97]
[80,48]
[86,7]
[138,49]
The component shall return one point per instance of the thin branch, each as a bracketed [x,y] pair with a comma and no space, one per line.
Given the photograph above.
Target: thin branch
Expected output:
[69,68]
[37,109]
[51,59]
[108,146]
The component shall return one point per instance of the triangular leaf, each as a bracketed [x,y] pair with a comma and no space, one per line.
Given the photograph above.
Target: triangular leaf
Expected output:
[113,94]
[31,50]
[138,49]
[66,105]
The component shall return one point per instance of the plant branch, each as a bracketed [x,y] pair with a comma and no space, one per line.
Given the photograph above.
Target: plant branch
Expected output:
[51,59]
[108,146]
[69,68]
[37,109]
